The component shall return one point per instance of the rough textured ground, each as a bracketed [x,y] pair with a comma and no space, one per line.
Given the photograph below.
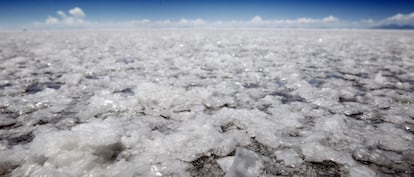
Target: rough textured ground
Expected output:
[207,103]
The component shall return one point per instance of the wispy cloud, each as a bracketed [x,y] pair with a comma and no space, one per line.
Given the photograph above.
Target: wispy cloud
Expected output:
[76,18]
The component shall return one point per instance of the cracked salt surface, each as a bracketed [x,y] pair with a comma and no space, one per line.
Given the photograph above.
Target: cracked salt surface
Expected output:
[207,103]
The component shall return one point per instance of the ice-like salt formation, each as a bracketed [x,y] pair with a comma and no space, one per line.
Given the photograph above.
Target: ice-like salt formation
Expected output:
[207,103]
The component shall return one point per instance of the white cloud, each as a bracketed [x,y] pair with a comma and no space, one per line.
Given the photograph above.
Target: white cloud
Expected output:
[73,21]
[302,20]
[75,17]
[146,20]
[330,19]
[256,19]
[400,19]
[61,14]
[51,20]
[183,21]
[397,19]
[199,21]
[367,21]
[77,12]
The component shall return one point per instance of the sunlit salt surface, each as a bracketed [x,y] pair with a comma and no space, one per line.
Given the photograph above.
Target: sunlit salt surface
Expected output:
[207,103]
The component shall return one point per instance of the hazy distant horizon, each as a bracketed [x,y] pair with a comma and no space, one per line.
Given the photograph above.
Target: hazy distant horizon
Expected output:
[74,14]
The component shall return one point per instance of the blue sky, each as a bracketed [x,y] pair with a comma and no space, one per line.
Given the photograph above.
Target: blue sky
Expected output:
[18,13]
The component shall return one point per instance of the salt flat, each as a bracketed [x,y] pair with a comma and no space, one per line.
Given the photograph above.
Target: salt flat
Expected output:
[207,103]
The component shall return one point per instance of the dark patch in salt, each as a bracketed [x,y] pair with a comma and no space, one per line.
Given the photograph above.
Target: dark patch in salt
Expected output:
[126,92]
[2,86]
[271,165]
[125,60]
[22,139]
[326,168]
[260,148]
[377,120]
[316,83]
[280,83]
[48,73]
[54,85]
[379,158]
[343,99]
[109,153]
[6,168]
[165,116]
[162,128]
[91,76]
[7,125]
[334,76]
[40,159]
[33,88]
[362,75]
[229,126]
[360,86]
[37,87]
[206,166]
[251,85]
[41,122]
[208,109]
[288,98]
